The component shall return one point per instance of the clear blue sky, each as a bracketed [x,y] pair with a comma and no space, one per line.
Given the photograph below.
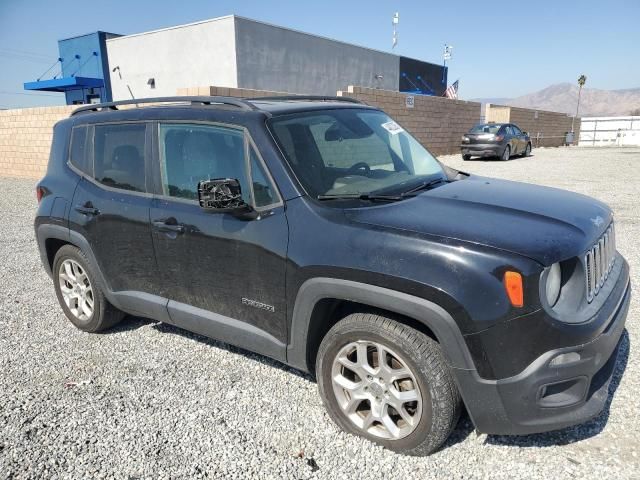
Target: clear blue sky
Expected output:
[501,49]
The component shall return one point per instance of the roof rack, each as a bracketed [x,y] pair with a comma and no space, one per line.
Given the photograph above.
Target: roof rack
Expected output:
[203,100]
[315,98]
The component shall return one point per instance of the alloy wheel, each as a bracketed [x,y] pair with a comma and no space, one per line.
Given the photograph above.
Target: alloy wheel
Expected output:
[376,390]
[76,289]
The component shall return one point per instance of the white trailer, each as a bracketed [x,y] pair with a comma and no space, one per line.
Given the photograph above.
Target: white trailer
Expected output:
[609,131]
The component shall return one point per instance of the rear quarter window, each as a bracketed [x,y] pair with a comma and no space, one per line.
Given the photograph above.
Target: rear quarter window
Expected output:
[78,152]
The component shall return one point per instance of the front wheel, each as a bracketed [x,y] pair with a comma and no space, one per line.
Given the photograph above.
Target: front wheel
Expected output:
[387,382]
[506,154]
[527,150]
[466,157]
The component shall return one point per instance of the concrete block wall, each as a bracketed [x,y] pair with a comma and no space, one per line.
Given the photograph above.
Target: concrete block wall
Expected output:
[437,122]
[25,139]
[547,129]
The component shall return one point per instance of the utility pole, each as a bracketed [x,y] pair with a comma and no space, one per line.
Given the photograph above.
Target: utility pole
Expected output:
[582,79]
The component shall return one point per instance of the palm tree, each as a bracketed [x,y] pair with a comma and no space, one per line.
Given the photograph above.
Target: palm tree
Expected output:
[582,79]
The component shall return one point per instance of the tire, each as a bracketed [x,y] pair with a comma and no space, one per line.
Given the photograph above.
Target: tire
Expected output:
[527,150]
[506,154]
[428,378]
[82,292]
[466,157]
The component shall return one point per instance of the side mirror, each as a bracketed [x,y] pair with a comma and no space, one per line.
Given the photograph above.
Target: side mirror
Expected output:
[526,134]
[224,195]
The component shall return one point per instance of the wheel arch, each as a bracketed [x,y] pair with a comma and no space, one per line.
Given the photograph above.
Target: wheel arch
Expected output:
[53,237]
[321,302]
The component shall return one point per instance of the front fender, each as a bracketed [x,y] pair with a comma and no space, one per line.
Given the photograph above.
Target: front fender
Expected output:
[438,320]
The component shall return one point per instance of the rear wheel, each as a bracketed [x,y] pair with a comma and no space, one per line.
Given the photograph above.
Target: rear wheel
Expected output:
[466,157]
[506,154]
[79,293]
[387,382]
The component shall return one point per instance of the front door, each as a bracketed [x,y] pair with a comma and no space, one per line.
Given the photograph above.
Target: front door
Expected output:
[224,276]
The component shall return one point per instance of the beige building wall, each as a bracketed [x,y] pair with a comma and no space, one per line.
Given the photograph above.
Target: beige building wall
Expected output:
[25,139]
[547,129]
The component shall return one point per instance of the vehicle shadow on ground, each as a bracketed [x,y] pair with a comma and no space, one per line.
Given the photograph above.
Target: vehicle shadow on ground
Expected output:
[498,159]
[580,432]
[465,426]
[168,328]
[131,323]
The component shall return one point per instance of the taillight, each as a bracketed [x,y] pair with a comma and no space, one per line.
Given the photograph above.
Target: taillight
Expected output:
[39,193]
[499,138]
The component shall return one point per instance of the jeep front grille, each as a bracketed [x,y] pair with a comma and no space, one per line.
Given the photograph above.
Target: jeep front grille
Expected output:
[599,261]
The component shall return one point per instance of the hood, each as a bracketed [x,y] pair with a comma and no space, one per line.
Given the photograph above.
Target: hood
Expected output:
[542,223]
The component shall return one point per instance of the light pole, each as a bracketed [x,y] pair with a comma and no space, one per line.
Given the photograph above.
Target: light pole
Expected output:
[446,55]
[582,79]
[394,22]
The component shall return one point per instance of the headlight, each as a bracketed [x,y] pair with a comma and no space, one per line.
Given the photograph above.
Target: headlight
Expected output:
[553,283]
[465,139]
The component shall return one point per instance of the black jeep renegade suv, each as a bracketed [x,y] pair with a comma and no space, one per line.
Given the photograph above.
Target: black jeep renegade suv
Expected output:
[318,232]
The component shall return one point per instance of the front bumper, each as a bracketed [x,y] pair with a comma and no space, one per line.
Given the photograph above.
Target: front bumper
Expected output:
[482,149]
[547,395]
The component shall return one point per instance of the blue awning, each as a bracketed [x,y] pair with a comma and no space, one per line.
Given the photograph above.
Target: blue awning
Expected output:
[64,84]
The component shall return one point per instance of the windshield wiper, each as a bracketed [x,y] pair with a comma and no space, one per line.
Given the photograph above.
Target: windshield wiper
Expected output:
[423,186]
[361,196]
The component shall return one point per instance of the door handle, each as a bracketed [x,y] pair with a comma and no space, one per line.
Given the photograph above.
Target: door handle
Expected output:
[164,226]
[87,209]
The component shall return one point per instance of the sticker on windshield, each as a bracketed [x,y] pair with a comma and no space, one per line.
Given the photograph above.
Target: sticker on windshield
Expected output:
[392,127]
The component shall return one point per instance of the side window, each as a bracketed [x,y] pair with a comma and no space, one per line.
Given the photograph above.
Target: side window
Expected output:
[263,189]
[78,153]
[119,156]
[516,130]
[191,153]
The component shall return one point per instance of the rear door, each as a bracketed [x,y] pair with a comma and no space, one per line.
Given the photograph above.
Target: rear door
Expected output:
[111,204]
[224,276]
[520,138]
[511,139]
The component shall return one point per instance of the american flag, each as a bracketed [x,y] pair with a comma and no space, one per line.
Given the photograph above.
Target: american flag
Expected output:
[452,90]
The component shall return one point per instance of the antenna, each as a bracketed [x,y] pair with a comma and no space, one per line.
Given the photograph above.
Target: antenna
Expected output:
[117,69]
[394,22]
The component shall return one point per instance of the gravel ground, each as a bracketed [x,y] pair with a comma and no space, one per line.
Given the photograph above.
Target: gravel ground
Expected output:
[147,400]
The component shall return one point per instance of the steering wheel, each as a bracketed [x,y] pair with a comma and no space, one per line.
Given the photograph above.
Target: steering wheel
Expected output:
[356,167]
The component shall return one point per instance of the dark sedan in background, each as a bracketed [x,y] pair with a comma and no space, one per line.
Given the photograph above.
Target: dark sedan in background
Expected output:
[495,140]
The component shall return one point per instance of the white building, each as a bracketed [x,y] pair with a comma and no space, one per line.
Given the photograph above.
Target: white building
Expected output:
[238,52]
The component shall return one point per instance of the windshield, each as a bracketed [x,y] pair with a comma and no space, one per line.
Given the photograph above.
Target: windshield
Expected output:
[353,152]
[486,128]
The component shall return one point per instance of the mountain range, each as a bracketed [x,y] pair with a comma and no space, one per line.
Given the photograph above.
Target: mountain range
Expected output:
[562,97]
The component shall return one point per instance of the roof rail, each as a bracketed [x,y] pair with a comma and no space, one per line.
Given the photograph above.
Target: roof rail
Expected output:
[315,98]
[202,100]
